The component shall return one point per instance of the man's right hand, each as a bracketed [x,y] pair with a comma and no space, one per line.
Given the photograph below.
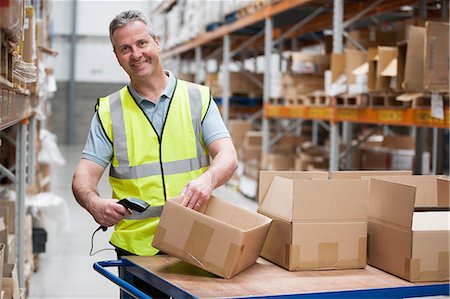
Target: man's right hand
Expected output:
[107,211]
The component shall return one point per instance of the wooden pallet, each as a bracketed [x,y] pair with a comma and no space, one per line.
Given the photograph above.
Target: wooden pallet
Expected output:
[251,8]
[420,100]
[299,100]
[384,100]
[352,100]
[321,99]
[276,101]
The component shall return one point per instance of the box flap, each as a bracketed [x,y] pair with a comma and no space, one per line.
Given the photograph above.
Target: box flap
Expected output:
[279,199]
[443,191]
[364,174]
[391,69]
[329,200]
[266,177]
[426,193]
[391,203]
[408,97]
[363,69]
[354,59]
[414,59]
[385,55]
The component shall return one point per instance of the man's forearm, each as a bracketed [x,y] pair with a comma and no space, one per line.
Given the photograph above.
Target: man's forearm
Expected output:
[84,184]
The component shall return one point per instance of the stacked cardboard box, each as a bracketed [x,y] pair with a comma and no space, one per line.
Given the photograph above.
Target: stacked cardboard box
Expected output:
[313,228]
[241,84]
[393,152]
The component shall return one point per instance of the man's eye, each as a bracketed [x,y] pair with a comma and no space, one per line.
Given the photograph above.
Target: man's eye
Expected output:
[124,50]
[142,43]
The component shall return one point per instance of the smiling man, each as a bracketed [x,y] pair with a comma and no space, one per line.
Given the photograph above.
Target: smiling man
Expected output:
[161,137]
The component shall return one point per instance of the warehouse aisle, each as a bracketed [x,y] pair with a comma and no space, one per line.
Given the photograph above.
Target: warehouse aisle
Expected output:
[65,269]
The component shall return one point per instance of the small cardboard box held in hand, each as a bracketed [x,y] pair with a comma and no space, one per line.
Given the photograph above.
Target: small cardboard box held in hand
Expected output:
[317,224]
[408,229]
[222,238]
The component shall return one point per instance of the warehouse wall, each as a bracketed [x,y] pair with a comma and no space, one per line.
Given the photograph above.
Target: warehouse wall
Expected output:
[87,94]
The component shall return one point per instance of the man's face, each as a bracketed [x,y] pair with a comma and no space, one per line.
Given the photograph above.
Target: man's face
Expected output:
[136,51]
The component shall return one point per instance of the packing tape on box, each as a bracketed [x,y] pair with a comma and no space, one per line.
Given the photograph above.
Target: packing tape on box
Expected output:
[328,257]
[196,246]
[414,273]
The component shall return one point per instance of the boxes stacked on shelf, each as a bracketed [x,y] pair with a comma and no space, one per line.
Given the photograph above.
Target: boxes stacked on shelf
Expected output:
[241,84]
[9,241]
[311,157]
[398,68]
[392,152]
[304,77]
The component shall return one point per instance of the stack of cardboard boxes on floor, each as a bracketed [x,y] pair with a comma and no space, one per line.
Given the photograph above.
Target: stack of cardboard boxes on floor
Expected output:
[8,252]
[315,220]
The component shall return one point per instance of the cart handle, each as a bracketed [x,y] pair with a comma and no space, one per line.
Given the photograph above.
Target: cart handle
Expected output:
[124,285]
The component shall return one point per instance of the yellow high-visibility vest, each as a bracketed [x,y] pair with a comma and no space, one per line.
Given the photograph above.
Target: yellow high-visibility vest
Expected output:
[150,167]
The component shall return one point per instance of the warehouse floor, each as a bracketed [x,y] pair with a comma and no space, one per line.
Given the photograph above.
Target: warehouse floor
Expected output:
[65,270]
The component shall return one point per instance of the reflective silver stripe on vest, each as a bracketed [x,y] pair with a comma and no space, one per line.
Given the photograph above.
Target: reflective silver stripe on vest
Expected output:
[150,169]
[139,171]
[123,171]
[195,100]
[118,129]
[150,212]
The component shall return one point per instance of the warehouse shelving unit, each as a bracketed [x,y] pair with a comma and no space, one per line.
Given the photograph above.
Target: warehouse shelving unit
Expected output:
[279,22]
[19,103]
[17,110]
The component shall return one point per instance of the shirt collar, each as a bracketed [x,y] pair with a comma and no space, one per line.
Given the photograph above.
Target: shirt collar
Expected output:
[166,94]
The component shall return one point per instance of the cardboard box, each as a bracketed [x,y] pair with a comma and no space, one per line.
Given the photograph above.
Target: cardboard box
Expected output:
[304,63]
[8,212]
[223,238]
[313,227]
[238,129]
[385,57]
[10,282]
[278,161]
[437,57]
[413,80]
[404,240]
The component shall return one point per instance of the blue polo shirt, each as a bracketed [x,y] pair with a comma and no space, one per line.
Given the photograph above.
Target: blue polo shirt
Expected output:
[99,149]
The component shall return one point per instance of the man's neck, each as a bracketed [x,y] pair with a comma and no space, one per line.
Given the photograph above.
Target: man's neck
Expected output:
[151,89]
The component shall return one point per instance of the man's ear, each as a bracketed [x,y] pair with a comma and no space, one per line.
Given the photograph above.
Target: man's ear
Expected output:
[157,42]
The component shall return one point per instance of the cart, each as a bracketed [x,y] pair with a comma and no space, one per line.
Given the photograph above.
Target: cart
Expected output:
[262,280]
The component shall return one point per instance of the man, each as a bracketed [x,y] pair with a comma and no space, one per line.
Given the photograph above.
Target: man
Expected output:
[157,134]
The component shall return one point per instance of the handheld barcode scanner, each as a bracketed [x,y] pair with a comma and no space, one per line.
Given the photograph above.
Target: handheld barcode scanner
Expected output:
[133,204]
[141,210]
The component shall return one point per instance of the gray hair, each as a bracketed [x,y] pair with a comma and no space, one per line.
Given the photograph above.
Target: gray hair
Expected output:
[127,17]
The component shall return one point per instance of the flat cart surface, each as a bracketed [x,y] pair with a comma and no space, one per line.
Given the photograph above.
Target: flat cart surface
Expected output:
[264,279]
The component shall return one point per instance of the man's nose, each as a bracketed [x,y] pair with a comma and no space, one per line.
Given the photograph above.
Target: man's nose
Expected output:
[136,53]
